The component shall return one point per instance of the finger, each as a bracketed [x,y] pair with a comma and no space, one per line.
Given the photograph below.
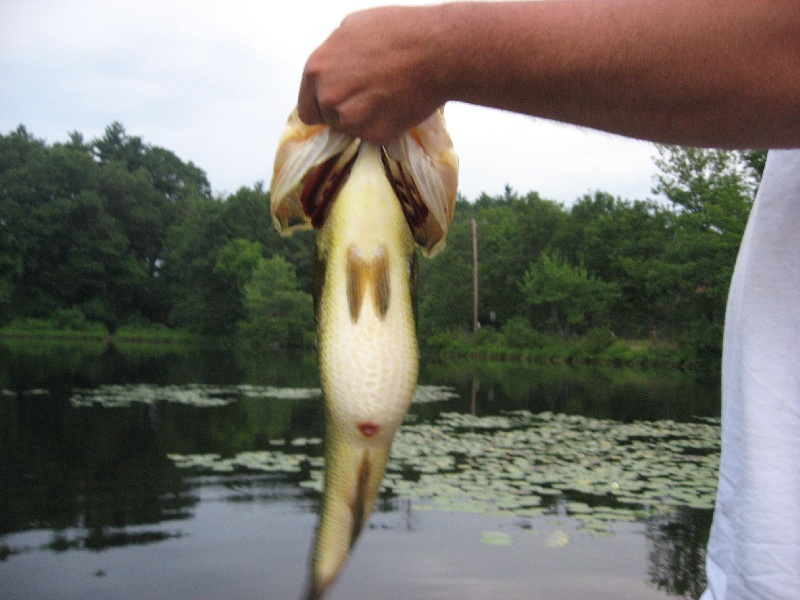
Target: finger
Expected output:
[307,106]
[329,116]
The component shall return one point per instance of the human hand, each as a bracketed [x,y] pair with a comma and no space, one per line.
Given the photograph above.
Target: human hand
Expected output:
[379,74]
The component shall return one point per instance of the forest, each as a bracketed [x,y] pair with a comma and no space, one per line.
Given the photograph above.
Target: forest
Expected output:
[118,232]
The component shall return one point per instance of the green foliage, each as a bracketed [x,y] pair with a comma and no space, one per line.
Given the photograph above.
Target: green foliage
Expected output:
[570,298]
[238,259]
[619,241]
[519,333]
[512,231]
[713,191]
[117,231]
[598,339]
[445,282]
[278,313]
[70,318]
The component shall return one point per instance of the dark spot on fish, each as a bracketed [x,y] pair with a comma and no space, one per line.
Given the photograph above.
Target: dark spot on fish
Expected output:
[356,276]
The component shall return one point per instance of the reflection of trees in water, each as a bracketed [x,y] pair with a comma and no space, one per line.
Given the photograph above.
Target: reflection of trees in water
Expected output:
[678,551]
[101,538]
[599,392]
[99,477]
[96,478]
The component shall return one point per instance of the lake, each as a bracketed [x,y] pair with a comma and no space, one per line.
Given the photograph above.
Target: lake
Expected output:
[164,473]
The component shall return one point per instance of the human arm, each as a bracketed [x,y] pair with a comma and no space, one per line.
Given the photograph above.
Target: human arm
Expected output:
[694,72]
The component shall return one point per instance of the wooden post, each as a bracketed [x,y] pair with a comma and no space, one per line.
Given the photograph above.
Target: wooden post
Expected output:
[475,324]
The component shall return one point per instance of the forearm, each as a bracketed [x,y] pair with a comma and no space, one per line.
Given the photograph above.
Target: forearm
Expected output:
[694,72]
[717,73]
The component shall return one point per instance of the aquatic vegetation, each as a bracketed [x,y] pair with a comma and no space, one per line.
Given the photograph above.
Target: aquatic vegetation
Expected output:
[118,396]
[558,539]
[262,460]
[515,462]
[433,393]
[526,465]
[496,538]
[203,396]
[256,391]
[32,392]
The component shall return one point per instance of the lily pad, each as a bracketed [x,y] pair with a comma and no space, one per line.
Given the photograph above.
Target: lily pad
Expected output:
[496,538]
[557,539]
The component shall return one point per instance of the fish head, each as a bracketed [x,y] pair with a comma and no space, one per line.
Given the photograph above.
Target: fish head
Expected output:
[312,163]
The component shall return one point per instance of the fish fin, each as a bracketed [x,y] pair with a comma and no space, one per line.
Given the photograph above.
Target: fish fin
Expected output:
[314,591]
[363,274]
[381,285]
[356,282]
[350,508]
[359,508]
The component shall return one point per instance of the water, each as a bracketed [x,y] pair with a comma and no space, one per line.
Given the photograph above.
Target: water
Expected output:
[97,500]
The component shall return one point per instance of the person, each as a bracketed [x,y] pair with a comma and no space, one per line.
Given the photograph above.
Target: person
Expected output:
[714,73]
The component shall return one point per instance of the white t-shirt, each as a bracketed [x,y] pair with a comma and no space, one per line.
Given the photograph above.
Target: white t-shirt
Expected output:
[754,549]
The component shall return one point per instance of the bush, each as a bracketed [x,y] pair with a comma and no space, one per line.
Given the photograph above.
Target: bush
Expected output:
[598,339]
[71,319]
[519,333]
[701,347]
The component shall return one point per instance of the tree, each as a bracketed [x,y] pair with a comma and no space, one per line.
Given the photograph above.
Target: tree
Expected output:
[445,282]
[277,312]
[712,192]
[512,232]
[619,240]
[246,215]
[199,297]
[567,296]
[61,248]
[695,178]
[238,259]
[173,178]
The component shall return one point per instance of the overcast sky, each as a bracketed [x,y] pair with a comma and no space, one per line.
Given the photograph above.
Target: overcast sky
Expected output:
[215,81]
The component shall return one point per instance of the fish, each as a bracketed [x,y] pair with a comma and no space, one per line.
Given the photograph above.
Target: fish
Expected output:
[372,206]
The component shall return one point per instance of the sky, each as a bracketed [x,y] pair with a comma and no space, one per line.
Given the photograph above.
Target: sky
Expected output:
[214,81]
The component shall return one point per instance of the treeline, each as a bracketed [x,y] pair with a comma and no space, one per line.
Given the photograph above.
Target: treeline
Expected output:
[117,231]
[602,268]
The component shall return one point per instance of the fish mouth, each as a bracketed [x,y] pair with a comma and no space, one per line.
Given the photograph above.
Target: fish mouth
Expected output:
[322,185]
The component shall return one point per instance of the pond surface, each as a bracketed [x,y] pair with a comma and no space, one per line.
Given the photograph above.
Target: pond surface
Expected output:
[127,473]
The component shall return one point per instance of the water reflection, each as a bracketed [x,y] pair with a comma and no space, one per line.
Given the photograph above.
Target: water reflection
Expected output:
[92,478]
[599,392]
[677,551]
